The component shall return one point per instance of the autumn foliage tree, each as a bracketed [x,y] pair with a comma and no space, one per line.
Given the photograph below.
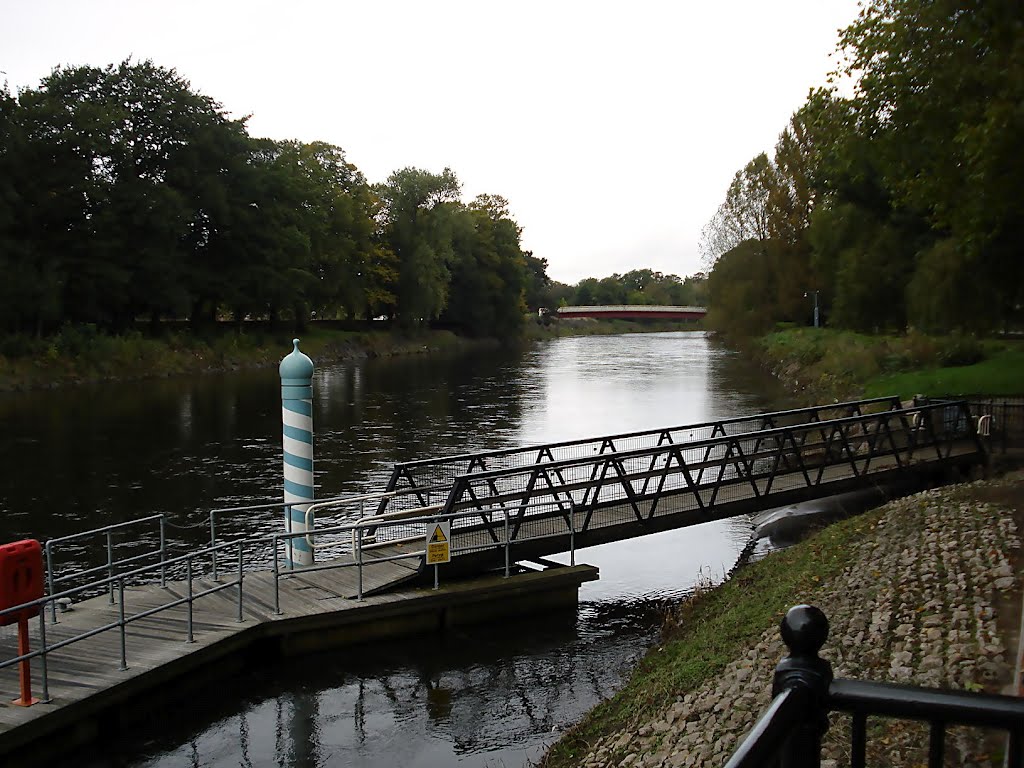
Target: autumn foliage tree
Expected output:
[902,204]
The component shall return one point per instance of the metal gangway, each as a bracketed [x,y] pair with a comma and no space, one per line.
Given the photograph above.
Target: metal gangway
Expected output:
[430,480]
[547,499]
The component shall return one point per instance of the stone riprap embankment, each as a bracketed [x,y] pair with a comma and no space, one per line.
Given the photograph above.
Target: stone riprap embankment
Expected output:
[930,597]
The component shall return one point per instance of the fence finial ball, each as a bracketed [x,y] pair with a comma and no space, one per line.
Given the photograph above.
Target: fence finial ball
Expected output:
[804,629]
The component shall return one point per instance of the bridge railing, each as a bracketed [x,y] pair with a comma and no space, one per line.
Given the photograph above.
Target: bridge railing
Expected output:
[695,476]
[430,480]
[790,731]
[1004,429]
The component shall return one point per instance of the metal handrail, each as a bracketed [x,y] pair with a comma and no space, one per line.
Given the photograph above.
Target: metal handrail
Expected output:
[123,619]
[793,739]
[52,579]
[361,499]
[817,426]
[375,522]
[544,453]
[119,581]
[806,450]
[891,399]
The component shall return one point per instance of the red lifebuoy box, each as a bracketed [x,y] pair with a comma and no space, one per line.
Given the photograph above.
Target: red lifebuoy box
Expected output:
[21,578]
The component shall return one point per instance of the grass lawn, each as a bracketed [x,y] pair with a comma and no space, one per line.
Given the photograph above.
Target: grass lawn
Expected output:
[999,376]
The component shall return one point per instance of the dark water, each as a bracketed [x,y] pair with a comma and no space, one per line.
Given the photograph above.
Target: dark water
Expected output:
[484,696]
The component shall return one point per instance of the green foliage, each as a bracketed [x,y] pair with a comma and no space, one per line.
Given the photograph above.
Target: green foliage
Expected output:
[1000,375]
[961,349]
[639,286]
[901,205]
[739,287]
[843,364]
[489,271]
[125,194]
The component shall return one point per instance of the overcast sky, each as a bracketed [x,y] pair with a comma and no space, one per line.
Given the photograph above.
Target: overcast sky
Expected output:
[612,128]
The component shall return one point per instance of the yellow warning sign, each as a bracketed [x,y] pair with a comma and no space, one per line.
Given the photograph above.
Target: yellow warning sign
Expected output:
[438,537]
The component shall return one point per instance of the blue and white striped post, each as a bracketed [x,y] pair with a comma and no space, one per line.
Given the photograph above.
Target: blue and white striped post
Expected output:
[297,413]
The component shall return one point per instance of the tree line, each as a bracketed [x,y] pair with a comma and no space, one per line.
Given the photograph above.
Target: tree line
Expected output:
[638,286]
[127,195]
[898,206]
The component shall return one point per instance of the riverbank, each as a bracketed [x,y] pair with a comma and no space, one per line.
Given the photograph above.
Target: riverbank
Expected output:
[77,356]
[553,328]
[820,364]
[925,590]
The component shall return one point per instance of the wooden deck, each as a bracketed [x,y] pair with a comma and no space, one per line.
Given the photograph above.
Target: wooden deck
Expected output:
[317,611]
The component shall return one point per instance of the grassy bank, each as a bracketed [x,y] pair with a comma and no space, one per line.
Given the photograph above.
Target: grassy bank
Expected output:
[708,631]
[556,328]
[822,364]
[79,355]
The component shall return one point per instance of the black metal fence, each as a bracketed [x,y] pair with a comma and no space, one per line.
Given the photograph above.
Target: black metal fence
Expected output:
[789,733]
[1004,430]
[703,475]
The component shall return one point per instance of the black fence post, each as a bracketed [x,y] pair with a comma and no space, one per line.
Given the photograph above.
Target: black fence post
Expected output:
[804,630]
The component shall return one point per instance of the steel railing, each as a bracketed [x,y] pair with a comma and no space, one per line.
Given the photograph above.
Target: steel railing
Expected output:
[124,618]
[113,564]
[413,528]
[1004,430]
[250,554]
[427,476]
[699,473]
[790,731]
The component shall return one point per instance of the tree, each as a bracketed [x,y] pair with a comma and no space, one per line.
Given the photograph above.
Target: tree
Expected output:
[744,214]
[127,167]
[416,221]
[538,284]
[940,90]
[488,271]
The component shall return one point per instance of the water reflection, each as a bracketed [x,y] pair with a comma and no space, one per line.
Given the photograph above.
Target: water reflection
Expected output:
[490,695]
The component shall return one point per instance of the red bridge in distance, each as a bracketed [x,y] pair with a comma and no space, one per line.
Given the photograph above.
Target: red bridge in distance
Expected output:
[635,312]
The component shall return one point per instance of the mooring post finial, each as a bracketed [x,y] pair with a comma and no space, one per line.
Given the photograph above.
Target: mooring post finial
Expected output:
[804,630]
[296,371]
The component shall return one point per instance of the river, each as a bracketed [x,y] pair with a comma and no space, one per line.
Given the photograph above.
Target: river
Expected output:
[482,696]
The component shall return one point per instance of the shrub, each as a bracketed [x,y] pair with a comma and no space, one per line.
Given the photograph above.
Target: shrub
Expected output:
[19,345]
[961,349]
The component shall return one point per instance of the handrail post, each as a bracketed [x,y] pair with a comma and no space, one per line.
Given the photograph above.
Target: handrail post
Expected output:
[504,513]
[42,658]
[804,630]
[188,580]
[572,532]
[50,580]
[359,560]
[121,622]
[213,541]
[110,564]
[277,576]
[163,552]
[241,577]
